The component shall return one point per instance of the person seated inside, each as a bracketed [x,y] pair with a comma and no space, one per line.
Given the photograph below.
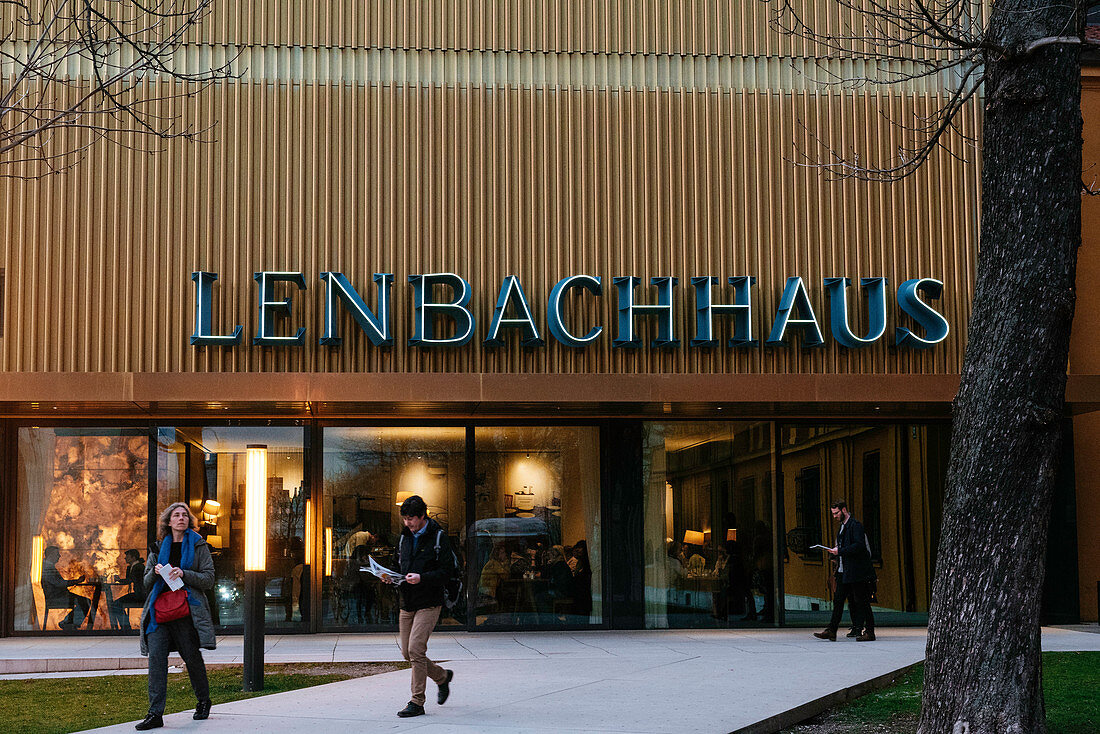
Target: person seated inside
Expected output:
[493,572]
[55,588]
[558,573]
[520,562]
[696,564]
[582,580]
[135,595]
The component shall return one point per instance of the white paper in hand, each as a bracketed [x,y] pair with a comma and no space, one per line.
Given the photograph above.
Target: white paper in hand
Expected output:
[822,547]
[173,584]
[381,571]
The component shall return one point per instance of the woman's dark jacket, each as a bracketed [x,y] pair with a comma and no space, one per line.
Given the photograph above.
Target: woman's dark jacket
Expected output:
[198,579]
[433,573]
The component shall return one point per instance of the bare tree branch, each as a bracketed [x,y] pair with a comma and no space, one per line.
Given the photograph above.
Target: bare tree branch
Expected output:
[94,68]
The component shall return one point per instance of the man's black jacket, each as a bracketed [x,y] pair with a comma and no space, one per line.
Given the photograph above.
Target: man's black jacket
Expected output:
[433,573]
[851,545]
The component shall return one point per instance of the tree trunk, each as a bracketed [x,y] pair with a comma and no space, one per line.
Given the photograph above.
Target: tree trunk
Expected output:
[983,670]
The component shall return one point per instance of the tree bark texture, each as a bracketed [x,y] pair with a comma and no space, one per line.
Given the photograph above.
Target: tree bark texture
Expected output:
[983,670]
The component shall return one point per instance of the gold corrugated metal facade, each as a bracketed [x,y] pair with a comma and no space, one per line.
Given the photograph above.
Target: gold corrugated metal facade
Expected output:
[355,173]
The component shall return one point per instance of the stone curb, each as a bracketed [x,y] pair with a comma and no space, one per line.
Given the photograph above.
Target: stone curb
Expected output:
[811,709]
[71,665]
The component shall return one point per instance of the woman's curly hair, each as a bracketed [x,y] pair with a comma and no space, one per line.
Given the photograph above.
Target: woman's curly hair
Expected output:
[162,523]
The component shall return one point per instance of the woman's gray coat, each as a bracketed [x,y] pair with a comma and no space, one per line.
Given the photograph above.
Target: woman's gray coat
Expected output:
[198,582]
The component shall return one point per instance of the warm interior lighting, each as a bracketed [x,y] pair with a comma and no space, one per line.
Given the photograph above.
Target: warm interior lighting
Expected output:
[215,541]
[693,537]
[38,546]
[213,508]
[402,496]
[328,551]
[255,517]
[309,533]
[731,534]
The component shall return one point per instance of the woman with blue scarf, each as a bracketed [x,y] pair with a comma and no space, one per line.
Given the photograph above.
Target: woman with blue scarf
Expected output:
[185,622]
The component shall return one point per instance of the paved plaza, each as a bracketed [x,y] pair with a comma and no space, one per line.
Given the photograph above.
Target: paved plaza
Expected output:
[652,681]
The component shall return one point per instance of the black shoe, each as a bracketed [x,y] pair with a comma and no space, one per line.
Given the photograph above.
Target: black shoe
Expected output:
[445,688]
[829,635]
[202,710]
[151,721]
[853,633]
[868,636]
[413,709]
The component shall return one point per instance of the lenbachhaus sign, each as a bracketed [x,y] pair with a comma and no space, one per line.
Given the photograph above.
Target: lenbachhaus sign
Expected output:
[513,311]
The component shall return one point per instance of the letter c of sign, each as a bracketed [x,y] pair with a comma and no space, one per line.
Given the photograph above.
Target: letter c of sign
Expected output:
[556,325]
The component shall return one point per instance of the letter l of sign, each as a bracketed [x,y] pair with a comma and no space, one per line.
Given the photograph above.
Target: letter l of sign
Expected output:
[204,286]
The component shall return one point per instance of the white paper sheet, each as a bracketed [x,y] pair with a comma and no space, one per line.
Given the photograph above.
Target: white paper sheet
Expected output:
[173,584]
[381,571]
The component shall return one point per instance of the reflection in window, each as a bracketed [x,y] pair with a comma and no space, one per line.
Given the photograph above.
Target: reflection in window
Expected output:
[82,521]
[872,503]
[205,467]
[890,476]
[537,530]
[368,473]
[807,512]
[708,537]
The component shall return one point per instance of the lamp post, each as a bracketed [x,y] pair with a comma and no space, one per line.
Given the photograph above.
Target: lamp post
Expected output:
[255,561]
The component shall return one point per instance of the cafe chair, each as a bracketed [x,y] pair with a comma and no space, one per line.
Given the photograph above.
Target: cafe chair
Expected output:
[64,609]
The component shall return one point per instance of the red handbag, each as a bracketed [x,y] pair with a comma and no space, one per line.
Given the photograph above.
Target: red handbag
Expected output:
[171,605]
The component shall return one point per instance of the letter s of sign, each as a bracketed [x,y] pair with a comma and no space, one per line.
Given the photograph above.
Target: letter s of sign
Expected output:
[935,325]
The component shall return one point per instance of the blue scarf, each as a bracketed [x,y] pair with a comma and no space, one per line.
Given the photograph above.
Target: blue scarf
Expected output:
[187,560]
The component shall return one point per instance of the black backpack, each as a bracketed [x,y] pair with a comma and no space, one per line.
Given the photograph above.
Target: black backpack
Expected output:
[452,587]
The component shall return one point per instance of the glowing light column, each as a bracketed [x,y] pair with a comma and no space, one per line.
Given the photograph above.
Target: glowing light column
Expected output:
[255,565]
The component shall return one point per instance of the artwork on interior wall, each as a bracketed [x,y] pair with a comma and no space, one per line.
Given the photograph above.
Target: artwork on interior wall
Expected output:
[509,501]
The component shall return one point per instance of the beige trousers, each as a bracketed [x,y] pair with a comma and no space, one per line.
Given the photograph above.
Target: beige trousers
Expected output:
[415,628]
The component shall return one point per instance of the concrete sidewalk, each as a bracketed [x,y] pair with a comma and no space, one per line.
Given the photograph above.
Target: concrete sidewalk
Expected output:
[653,681]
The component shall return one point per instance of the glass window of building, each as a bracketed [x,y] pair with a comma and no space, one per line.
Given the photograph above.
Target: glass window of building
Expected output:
[536,538]
[708,536]
[368,473]
[891,477]
[205,466]
[82,528]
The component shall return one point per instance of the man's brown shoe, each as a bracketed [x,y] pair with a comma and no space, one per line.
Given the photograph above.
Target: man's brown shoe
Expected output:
[866,637]
[829,635]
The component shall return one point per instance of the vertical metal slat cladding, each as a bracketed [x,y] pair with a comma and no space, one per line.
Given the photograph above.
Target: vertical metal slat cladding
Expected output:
[597,156]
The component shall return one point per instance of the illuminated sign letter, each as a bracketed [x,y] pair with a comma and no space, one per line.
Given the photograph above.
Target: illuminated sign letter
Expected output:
[512,289]
[935,326]
[204,287]
[795,296]
[740,309]
[837,289]
[377,328]
[590,283]
[663,309]
[427,309]
[269,308]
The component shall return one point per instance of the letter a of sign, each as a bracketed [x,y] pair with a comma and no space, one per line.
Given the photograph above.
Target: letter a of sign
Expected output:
[795,297]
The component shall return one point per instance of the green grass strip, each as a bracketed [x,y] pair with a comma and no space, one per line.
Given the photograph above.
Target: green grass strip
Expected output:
[1070,684]
[62,705]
